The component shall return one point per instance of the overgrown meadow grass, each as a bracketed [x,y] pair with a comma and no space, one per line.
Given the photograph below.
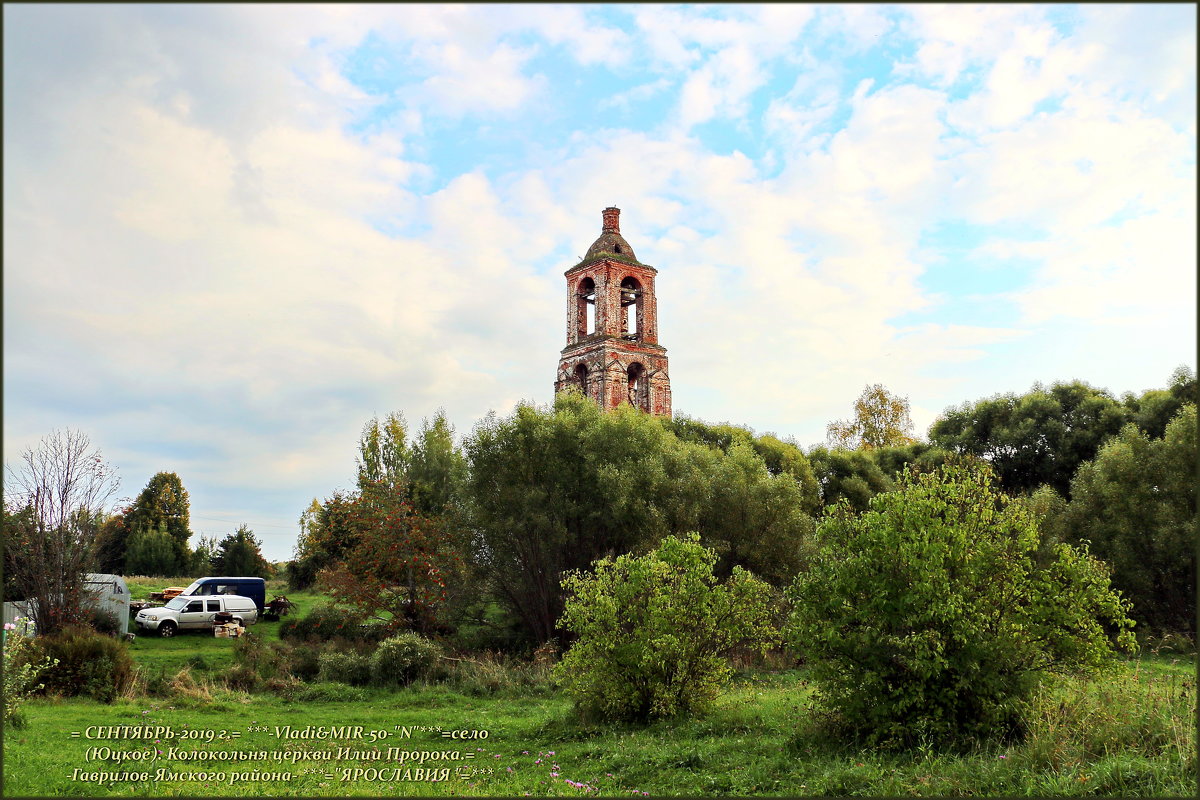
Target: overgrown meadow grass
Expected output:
[1131,734]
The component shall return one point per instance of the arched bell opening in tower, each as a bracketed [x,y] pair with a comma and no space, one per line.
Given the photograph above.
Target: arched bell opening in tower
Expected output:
[581,378]
[586,307]
[631,309]
[639,387]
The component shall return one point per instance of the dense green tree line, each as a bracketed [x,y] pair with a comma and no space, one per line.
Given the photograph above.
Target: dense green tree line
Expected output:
[1043,436]
[543,491]
[1135,504]
[553,490]
[150,537]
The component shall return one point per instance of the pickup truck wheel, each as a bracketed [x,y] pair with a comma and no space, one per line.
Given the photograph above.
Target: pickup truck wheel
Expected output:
[167,629]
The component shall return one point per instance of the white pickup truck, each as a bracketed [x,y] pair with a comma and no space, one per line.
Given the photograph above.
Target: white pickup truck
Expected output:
[194,613]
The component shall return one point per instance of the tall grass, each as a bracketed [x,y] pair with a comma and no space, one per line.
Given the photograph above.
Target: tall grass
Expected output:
[1135,712]
[1129,734]
[495,673]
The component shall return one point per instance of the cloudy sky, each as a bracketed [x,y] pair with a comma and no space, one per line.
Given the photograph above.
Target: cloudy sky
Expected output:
[233,234]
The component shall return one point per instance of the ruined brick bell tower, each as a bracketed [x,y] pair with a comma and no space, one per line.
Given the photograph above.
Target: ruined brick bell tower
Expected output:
[612,351]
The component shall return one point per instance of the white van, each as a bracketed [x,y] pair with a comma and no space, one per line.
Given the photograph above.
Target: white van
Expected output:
[192,613]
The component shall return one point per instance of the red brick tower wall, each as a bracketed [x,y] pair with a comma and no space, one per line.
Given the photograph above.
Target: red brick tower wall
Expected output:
[622,365]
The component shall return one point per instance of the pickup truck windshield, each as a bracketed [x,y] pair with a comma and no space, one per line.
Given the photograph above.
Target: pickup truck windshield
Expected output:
[178,603]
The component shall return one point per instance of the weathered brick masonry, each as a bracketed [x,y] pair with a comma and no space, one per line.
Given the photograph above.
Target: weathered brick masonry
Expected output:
[612,350]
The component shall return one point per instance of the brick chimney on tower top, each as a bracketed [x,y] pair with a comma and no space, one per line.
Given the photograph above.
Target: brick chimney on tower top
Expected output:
[611,221]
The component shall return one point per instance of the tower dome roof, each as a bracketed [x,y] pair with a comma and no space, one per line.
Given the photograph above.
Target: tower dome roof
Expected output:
[610,243]
[611,240]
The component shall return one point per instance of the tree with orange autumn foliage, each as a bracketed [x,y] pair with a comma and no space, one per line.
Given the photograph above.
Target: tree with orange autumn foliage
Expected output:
[398,570]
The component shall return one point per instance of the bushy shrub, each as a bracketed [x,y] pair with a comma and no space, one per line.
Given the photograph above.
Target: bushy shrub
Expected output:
[291,628]
[284,661]
[104,621]
[654,632]
[152,552]
[89,663]
[403,658]
[286,686]
[928,618]
[300,575]
[325,623]
[22,664]
[320,624]
[243,677]
[278,665]
[331,693]
[265,660]
[372,631]
[349,667]
[303,662]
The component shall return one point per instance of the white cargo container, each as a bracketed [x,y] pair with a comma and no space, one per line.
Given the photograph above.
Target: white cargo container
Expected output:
[109,593]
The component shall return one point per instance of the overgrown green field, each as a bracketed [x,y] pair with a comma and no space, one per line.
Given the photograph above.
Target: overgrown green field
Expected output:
[199,650]
[1132,734]
[1129,734]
